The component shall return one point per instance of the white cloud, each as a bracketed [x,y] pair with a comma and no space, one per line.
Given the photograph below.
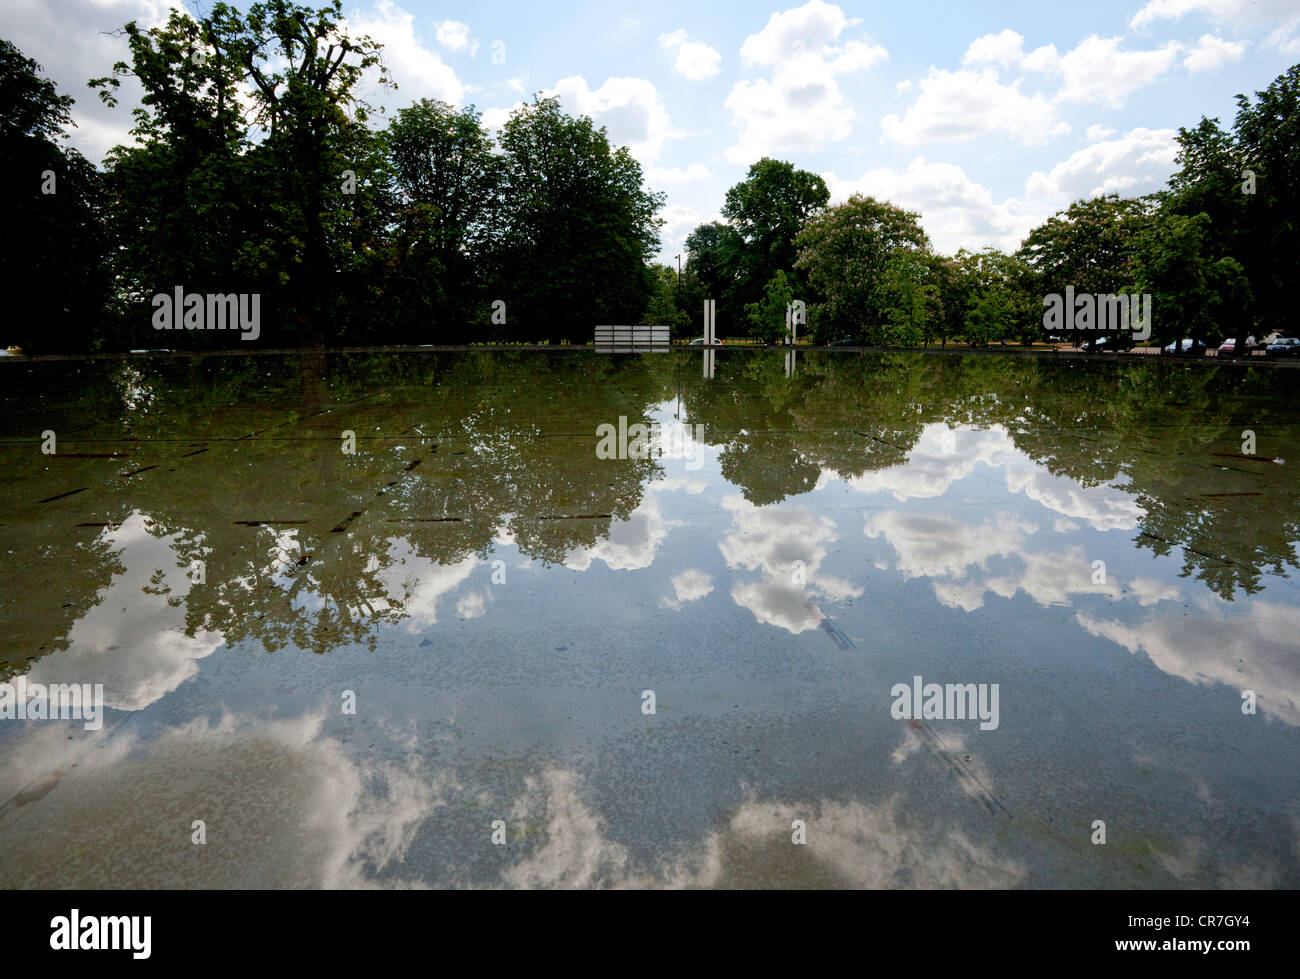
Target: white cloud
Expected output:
[42,30]
[812,27]
[630,544]
[1250,651]
[1137,162]
[1098,71]
[695,59]
[689,586]
[770,540]
[934,545]
[800,107]
[956,212]
[1212,52]
[1241,12]
[631,108]
[960,105]
[1007,50]
[454,36]
[679,221]
[675,175]
[1095,133]
[140,648]
[471,605]
[418,72]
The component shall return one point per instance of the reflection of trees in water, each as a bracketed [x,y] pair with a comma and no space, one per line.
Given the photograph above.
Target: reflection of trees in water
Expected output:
[1160,431]
[456,450]
[304,544]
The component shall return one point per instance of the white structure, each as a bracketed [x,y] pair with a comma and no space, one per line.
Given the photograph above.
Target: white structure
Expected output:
[632,339]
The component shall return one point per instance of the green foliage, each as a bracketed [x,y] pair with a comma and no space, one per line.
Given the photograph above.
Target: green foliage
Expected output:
[254,169]
[1091,245]
[54,247]
[579,228]
[446,180]
[911,301]
[664,308]
[845,252]
[767,318]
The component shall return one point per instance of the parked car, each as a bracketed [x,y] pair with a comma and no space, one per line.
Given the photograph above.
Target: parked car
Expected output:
[1186,347]
[1285,347]
[700,341]
[1107,345]
[1228,348]
[846,342]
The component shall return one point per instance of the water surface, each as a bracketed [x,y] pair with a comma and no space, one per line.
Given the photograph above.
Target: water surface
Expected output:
[498,599]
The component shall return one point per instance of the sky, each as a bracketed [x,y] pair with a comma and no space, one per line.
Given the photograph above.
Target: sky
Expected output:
[986,118]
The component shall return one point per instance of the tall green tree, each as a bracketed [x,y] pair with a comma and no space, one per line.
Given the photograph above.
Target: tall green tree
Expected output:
[767,318]
[249,128]
[844,252]
[54,249]
[578,227]
[664,308]
[448,181]
[767,210]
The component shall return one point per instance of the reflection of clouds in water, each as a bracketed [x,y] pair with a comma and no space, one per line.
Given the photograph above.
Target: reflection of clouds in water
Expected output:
[630,545]
[948,551]
[1251,651]
[769,540]
[849,844]
[944,455]
[134,644]
[311,818]
[669,483]
[935,546]
[471,606]
[941,456]
[427,580]
[949,747]
[689,586]
[1101,507]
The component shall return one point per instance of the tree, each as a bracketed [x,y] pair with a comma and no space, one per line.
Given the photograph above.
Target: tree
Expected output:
[1091,246]
[766,210]
[844,252]
[54,247]
[578,227]
[1244,182]
[200,203]
[767,318]
[1197,295]
[447,181]
[663,309]
[710,270]
[911,300]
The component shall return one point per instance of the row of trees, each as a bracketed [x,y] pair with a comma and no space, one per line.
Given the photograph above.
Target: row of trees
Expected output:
[255,169]
[1216,250]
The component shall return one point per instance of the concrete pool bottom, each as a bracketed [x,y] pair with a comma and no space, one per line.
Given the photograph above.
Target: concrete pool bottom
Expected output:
[961,558]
